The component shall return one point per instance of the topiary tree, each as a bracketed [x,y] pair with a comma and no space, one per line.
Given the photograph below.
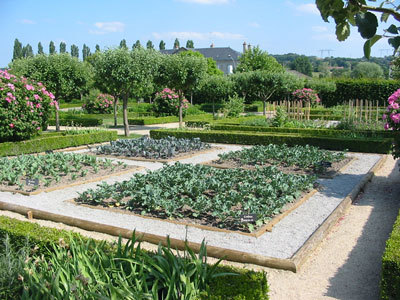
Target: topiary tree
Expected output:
[62,74]
[256,59]
[367,70]
[265,84]
[181,73]
[122,73]
[25,107]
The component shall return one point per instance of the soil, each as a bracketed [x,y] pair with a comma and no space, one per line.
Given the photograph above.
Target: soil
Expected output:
[66,180]
[328,172]
[181,155]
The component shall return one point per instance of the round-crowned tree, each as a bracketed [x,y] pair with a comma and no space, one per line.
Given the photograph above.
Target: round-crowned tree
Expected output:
[25,107]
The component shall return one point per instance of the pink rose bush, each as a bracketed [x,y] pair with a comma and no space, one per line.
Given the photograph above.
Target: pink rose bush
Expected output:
[25,107]
[307,95]
[102,104]
[166,103]
[392,118]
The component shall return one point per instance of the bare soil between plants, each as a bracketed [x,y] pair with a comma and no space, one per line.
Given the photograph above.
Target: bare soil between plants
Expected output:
[67,180]
[328,172]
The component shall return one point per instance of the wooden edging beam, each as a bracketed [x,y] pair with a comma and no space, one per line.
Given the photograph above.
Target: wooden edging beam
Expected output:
[293,264]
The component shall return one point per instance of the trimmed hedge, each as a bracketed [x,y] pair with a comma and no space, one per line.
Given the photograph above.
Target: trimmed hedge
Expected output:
[306,131]
[248,285]
[390,283]
[55,142]
[168,119]
[291,139]
[365,89]
[84,122]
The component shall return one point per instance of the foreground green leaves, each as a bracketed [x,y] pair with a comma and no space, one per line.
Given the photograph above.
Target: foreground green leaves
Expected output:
[89,270]
[210,196]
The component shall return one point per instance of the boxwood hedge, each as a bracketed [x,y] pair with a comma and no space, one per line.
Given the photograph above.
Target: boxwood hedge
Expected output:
[390,282]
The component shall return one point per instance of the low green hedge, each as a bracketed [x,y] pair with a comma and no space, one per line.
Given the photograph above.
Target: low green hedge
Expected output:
[306,131]
[84,122]
[168,119]
[366,145]
[390,283]
[55,142]
[248,285]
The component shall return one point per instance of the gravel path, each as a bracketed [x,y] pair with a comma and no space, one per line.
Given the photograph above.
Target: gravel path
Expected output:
[347,263]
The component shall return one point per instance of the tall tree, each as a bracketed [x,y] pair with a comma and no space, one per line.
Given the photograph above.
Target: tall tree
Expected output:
[162,45]
[149,45]
[363,15]
[17,52]
[122,44]
[27,51]
[62,74]
[97,48]
[52,48]
[256,59]
[85,52]
[303,65]
[63,47]
[40,48]
[181,73]
[74,51]
[189,44]
[176,43]
[122,73]
[136,45]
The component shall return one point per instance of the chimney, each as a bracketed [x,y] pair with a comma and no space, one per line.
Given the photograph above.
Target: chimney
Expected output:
[244,47]
[249,47]
[212,45]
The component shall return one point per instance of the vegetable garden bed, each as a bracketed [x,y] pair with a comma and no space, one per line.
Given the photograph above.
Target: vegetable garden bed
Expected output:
[294,160]
[147,149]
[203,195]
[33,174]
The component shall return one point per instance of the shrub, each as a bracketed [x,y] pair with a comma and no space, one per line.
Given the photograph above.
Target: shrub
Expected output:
[166,103]
[233,107]
[390,283]
[102,104]
[307,95]
[24,108]
[392,119]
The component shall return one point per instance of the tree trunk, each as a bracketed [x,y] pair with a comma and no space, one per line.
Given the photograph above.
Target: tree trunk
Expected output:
[57,120]
[115,111]
[213,108]
[264,108]
[191,98]
[125,113]
[180,109]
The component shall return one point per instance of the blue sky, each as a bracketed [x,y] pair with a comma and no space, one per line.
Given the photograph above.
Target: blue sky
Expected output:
[277,26]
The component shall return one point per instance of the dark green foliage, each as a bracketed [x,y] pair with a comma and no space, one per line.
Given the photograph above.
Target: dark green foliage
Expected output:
[189,44]
[303,157]
[55,142]
[390,283]
[85,52]
[77,121]
[149,45]
[27,51]
[247,285]
[291,139]
[122,44]
[74,51]
[52,48]
[17,52]
[198,192]
[176,43]
[365,89]
[149,148]
[63,47]
[303,65]
[162,45]
[152,120]
[40,48]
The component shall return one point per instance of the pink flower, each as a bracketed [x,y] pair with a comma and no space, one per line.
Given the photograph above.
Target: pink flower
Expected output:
[8,100]
[384,117]
[395,105]
[386,126]
[11,86]
[12,125]
[51,96]
[38,105]
[29,87]
[37,128]
[37,97]
[395,118]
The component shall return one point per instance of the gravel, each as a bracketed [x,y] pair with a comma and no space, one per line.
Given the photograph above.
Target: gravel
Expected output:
[284,240]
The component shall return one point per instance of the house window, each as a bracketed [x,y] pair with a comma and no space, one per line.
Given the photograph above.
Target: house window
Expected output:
[230,69]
